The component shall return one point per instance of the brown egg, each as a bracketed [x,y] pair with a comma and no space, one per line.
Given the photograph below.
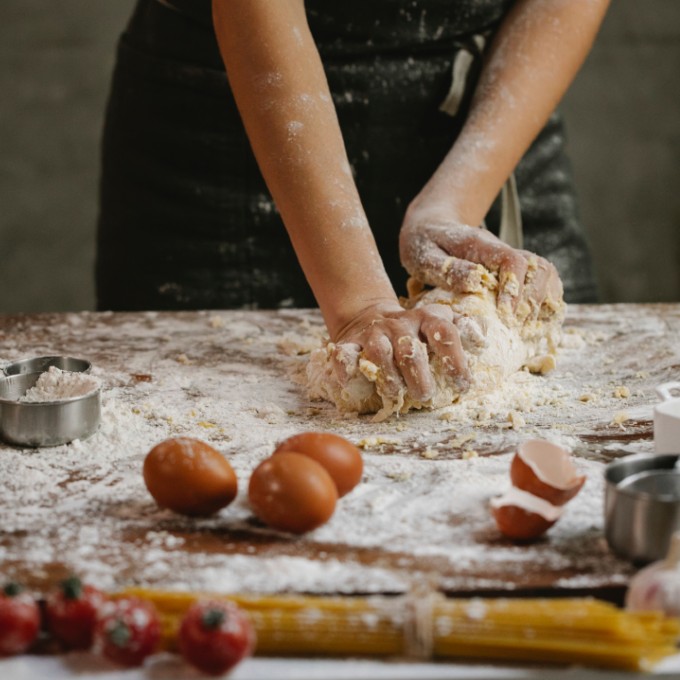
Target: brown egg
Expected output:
[545,470]
[292,492]
[189,476]
[340,458]
[522,516]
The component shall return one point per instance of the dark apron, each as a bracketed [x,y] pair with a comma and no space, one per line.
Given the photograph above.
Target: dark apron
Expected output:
[186,221]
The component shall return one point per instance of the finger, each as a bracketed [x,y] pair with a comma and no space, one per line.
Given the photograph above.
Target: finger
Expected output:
[437,268]
[511,276]
[555,289]
[535,287]
[345,361]
[473,333]
[543,286]
[554,300]
[378,350]
[410,356]
[445,341]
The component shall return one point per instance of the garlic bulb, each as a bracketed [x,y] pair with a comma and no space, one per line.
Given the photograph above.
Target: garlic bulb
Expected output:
[657,586]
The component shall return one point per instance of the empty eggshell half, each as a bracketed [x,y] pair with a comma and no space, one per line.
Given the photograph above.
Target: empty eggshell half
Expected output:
[545,470]
[522,516]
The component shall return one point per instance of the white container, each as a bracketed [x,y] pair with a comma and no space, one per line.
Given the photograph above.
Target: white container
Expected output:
[667,419]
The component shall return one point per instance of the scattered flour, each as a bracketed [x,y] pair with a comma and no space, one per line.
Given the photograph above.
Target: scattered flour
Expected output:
[414,517]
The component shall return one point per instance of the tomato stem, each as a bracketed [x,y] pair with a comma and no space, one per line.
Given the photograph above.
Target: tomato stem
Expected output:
[213,618]
[119,633]
[12,589]
[72,588]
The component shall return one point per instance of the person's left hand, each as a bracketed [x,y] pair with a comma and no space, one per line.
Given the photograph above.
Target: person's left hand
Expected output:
[445,253]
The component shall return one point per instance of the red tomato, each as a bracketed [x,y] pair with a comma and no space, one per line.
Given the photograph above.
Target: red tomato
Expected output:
[71,611]
[215,636]
[127,631]
[19,620]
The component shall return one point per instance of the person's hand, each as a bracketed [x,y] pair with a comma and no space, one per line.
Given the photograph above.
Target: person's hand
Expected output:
[397,341]
[448,254]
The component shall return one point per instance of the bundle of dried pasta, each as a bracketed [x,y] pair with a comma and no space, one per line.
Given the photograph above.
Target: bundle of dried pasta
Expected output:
[566,631]
[583,631]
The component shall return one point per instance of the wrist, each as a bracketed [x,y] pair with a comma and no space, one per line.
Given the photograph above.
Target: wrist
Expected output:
[354,312]
[445,201]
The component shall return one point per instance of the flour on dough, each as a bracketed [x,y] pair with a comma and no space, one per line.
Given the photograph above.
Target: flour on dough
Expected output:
[495,347]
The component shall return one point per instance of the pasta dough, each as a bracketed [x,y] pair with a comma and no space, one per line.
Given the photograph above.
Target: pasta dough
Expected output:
[495,347]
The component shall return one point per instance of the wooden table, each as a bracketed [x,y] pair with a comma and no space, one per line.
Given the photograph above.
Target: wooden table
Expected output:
[421,513]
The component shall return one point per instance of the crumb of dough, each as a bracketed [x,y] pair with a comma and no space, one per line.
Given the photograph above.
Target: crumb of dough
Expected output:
[516,420]
[587,396]
[470,453]
[572,338]
[183,359]
[541,365]
[620,418]
[463,439]
[374,442]
[509,284]
[297,346]
[400,476]
[621,392]
[216,321]
[430,454]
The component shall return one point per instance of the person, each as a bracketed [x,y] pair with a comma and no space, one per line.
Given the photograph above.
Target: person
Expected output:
[333,111]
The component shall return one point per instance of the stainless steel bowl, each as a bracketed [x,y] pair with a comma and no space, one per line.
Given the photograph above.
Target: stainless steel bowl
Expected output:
[45,423]
[40,364]
[642,506]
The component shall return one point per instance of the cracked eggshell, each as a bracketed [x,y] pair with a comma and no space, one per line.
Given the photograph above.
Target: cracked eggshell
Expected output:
[545,470]
[522,516]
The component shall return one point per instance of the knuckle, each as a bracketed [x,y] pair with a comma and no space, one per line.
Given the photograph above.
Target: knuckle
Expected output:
[411,351]
[438,313]
[378,346]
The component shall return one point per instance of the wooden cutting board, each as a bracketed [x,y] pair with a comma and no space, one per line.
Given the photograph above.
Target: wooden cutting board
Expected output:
[421,512]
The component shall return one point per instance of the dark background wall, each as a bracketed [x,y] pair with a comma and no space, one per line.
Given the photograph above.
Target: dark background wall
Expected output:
[55,63]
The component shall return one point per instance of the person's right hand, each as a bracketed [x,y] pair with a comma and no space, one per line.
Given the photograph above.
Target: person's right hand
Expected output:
[397,341]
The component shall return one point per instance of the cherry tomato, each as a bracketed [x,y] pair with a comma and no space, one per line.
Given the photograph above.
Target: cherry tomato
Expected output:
[214,636]
[19,620]
[71,612]
[127,631]
[292,492]
[340,458]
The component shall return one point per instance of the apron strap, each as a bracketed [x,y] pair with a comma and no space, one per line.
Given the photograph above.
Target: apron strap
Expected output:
[511,231]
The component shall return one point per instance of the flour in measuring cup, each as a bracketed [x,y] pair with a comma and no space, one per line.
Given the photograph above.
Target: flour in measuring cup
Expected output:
[57,385]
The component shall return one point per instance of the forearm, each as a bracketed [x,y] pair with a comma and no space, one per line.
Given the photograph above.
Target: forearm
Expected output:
[281,90]
[532,60]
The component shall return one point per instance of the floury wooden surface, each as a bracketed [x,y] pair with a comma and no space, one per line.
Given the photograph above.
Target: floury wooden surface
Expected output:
[421,512]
